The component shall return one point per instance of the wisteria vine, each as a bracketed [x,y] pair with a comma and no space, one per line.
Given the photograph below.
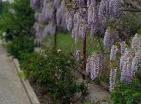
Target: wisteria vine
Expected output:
[83,17]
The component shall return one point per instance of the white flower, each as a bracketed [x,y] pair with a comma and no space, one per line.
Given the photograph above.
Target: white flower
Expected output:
[78,55]
[59,50]
[4,34]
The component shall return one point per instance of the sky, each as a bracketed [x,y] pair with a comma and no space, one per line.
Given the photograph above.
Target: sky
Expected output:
[8,0]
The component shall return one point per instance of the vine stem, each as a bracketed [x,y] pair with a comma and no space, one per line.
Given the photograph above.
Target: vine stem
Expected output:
[132,10]
[55,35]
[84,52]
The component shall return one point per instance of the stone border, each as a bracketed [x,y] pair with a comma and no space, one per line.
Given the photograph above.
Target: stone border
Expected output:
[28,88]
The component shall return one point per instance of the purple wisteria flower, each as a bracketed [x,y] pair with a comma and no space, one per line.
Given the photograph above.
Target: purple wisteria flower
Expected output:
[127,72]
[49,29]
[107,39]
[90,14]
[69,20]
[48,11]
[103,12]
[110,38]
[136,62]
[38,32]
[94,65]
[115,7]
[136,42]
[36,4]
[122,47]
[57,3]
[112,79]
[75,31]
[50,15]
[113,53]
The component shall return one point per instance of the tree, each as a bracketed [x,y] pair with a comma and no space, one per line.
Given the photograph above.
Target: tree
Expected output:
[17,19]
[49,16]
[91,16]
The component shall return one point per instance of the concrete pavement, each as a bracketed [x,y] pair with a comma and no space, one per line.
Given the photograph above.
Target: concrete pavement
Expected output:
[11,88]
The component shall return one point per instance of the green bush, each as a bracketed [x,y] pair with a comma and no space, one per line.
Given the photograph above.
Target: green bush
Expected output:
[54,71]
[18,22]
[127,93]
[21,45]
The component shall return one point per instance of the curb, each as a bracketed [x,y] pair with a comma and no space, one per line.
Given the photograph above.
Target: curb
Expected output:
[28,88]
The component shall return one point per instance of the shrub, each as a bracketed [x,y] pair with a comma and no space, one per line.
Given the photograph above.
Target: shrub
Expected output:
[54,71]
[18,22]
[20,46]
[127,93]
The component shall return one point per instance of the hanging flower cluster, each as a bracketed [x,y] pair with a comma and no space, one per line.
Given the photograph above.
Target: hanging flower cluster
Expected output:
[131,60]
[94,65]
[112,79]
[69,20]
[136,62]
[113,53]
[136,42]
[49,29]
[49,15]
[36,4]
[91,15]
[136,46]
[110,9]
[38,32]
[78,24]
[122,47]
[110,38]
[125,65]
[84,15]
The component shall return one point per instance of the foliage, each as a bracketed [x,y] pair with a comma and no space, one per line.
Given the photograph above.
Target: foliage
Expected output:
[20,46]
[127,93]
[17,18]
[130,23]
[55,71]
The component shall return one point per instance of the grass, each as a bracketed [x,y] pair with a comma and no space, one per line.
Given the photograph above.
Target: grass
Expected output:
[66,43]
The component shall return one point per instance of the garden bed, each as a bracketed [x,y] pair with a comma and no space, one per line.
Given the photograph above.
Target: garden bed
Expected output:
[26,84]
[40,94]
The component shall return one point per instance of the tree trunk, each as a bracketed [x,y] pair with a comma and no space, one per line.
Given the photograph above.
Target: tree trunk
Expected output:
[55,41]
[84,52]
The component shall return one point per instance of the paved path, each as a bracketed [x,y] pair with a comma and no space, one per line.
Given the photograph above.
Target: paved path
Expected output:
[98,95]
[11,89]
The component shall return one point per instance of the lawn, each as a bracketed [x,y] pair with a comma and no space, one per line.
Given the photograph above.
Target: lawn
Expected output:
[67,44]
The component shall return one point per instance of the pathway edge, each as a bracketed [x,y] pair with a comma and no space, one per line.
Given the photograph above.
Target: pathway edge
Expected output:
[27,86]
